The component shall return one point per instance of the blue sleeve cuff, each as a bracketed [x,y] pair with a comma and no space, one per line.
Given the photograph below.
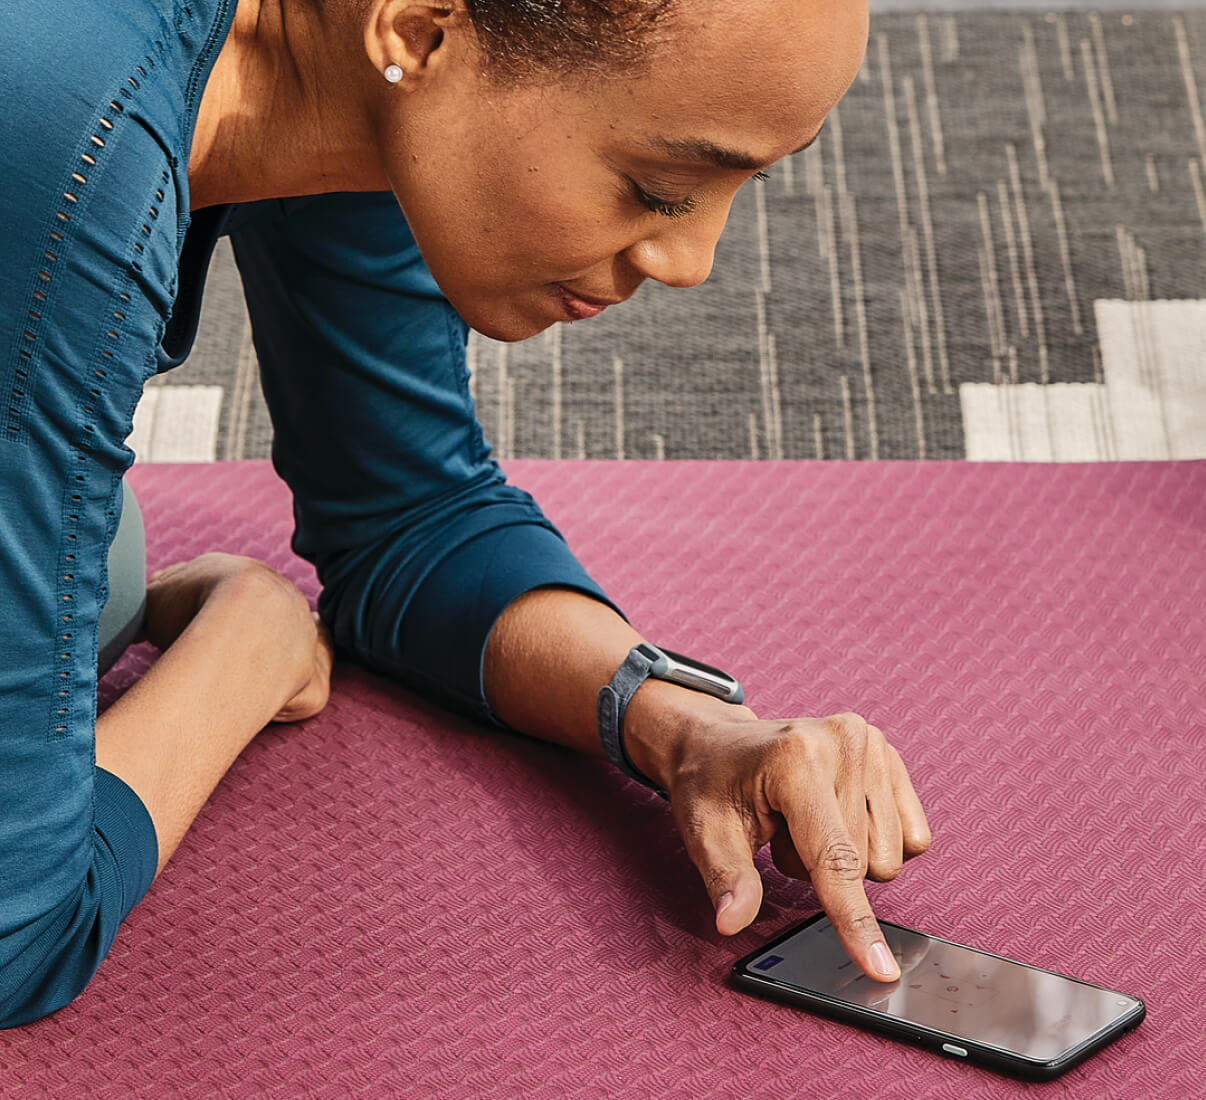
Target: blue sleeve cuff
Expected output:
[124,826]
[448,623]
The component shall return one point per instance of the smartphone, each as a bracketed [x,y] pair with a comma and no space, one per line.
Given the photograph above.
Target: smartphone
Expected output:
[968,1004]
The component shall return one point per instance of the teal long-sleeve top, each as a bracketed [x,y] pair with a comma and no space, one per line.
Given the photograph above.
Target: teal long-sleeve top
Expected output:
[418,540]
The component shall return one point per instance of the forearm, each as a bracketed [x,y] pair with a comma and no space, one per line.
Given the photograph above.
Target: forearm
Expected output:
[175,733]
[549,654]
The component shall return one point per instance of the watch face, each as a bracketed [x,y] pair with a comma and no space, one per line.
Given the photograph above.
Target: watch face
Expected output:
[700,677]
[698,666]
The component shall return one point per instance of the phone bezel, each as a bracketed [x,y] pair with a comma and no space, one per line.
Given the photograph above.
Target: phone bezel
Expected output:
[1002,1059]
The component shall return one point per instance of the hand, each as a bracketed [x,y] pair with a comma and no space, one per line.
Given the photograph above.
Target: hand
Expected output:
[314,695]
[830,795]
[176,595]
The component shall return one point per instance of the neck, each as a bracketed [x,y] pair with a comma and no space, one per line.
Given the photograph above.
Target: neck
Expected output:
[283,113]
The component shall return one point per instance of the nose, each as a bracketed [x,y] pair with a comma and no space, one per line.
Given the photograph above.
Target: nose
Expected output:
[679,255]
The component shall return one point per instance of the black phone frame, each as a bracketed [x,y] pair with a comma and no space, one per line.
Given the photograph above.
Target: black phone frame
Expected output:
[1004,1061]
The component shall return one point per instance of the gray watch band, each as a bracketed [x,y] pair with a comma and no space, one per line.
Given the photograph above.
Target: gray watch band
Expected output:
[638,666]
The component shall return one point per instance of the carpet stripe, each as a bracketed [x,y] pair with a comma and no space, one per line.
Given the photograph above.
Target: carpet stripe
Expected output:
[1151,405]
[177,424]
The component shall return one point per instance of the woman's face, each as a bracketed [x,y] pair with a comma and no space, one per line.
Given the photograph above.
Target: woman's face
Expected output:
[521,196]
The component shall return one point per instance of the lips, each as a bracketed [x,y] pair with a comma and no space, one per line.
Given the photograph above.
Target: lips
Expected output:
[580,306]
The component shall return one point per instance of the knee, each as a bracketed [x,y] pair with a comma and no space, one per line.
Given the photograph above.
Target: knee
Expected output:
[121,617]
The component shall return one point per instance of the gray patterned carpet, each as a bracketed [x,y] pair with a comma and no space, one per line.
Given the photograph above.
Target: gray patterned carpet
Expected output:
[997,250]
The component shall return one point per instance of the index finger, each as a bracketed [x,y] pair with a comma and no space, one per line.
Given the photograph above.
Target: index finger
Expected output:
[836,868]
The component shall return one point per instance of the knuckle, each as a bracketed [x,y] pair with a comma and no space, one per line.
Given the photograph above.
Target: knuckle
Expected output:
[255,572]
[796,751]
[231,564]
[883,870]
[848,727]
[272,583]
[861,924]
[840,858]
[790,730]
[320,695]
[794,739]
[716,880]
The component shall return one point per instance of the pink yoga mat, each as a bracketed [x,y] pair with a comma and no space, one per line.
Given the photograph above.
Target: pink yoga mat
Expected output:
[388,901]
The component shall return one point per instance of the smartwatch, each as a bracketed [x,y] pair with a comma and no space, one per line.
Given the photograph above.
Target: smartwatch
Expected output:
[642,662]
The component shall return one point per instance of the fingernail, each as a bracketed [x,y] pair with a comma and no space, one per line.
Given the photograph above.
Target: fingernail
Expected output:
[882,960]
[725,901]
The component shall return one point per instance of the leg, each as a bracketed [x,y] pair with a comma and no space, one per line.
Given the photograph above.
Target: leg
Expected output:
[121,617]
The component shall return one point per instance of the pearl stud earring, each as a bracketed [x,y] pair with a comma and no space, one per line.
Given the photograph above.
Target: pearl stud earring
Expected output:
[393,73]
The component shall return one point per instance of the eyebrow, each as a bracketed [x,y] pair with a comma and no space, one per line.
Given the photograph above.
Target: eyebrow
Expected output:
[708,152]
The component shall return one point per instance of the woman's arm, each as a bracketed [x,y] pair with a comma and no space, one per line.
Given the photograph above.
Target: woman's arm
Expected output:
[419,541]
[240,650]
[438,573]
[830,795]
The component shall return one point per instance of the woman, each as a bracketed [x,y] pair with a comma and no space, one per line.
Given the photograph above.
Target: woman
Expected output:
[548,158]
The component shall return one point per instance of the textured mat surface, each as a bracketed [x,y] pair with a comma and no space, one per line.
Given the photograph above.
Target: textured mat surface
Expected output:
[387,901]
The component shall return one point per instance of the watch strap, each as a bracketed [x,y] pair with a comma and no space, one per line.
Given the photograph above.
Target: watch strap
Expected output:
[613,704]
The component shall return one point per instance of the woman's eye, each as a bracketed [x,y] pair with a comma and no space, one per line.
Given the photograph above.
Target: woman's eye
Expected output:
[761,176]
[666,207]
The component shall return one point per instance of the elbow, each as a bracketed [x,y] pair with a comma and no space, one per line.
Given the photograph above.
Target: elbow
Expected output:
[47,962]
[50,947]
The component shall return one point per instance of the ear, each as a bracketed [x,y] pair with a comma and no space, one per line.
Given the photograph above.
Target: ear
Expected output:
[412,33]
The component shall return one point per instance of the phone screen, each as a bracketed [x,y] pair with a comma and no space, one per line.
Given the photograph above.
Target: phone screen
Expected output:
[951,989]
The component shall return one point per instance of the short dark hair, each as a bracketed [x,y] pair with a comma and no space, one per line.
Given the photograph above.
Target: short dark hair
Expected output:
[524,38]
